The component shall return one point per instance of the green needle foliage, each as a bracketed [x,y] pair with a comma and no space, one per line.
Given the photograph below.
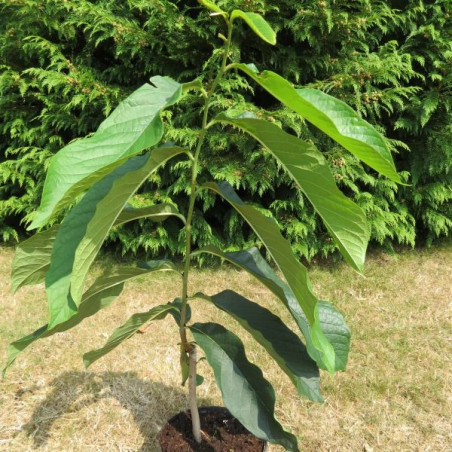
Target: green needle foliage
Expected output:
[92,182]
[64,66]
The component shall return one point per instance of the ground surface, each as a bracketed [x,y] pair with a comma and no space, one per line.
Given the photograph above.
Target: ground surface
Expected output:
[394,396]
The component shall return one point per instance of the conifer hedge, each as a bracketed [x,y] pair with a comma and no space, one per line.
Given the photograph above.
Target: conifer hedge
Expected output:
[65,65]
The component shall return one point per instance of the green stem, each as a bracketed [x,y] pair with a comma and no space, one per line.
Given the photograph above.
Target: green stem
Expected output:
[187,349]
[184,343]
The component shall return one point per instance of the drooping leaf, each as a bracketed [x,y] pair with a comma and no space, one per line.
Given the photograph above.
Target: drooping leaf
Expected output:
[245,391]
[87,308]
[132,127]
[157,213]
[257,23]
[100,295]
[331,321]
[84,229]
[32,259]
[160,264]
[127,330]
[294,272]
[279,341]
[331,116]
[308,168]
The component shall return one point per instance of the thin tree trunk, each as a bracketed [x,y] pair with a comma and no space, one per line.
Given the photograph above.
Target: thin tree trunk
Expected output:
[196,425]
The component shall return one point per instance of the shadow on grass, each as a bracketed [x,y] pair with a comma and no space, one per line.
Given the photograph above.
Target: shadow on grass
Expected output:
[151,404]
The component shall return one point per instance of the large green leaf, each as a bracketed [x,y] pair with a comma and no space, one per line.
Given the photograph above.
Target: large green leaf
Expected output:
[308,168]
[32,257]
[106,205]
[331,321]
[127,330]
[84,229]
[283,345]
[246,393]
[257,23]
[331,116]
[133,126]
[294,272]
[100,295]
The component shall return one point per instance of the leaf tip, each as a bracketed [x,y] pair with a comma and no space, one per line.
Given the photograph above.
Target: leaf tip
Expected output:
[86,361]
[33,225]
[14,287]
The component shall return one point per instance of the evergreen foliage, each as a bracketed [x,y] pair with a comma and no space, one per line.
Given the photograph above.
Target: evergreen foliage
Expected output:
[65,65]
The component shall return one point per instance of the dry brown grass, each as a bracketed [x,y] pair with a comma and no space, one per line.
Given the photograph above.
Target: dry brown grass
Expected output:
[395,395]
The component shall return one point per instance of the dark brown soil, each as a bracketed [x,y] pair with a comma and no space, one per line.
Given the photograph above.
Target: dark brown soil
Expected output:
[220,431]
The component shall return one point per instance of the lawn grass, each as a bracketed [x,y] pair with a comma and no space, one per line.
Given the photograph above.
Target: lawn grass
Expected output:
[394,396]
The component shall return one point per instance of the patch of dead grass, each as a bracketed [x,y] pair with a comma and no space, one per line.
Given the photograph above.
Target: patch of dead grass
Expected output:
[394,396]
